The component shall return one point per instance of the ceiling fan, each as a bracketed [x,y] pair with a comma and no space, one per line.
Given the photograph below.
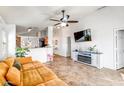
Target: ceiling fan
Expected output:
[64,21]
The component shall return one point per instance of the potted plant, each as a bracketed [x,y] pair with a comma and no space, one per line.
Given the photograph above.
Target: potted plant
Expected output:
[21,52]
[92,48]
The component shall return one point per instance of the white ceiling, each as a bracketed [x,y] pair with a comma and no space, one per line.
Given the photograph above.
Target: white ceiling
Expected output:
[38,16]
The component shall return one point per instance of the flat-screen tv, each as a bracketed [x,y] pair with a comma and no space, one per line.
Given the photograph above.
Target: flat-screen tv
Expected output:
[82,36]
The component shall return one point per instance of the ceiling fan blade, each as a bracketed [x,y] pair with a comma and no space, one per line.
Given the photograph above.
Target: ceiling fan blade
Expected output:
[72,21]
[57,24]
[54,20]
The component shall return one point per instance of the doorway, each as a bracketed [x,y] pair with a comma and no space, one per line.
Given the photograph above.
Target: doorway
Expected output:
[119,48]
[69,47]
[3,43]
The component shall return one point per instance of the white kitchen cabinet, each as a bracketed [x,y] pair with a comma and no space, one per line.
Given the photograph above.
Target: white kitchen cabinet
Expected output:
[95,58]
[41,54]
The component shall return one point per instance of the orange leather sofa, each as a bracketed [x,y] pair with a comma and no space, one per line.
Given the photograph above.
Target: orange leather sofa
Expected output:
[32,73]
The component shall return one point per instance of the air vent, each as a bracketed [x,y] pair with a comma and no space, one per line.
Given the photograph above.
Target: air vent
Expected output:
[101,7]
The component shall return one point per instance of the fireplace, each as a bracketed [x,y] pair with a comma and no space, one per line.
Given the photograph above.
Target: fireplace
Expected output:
[84,57]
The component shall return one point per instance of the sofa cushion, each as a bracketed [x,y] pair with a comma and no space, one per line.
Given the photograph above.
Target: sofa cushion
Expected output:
[55,82]
[32,65]
[2,80]
[13,75]
[31,78]
[37,64]
[41,84]
[3,68]
[46,73]
[24,60]
[10,61]
[21,78]
[28,66]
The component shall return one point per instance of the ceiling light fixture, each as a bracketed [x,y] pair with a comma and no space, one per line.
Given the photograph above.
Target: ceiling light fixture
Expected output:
[58,27]
[29,29]
[63,24]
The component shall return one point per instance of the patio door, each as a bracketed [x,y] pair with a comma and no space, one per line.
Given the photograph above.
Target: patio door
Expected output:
[119,48]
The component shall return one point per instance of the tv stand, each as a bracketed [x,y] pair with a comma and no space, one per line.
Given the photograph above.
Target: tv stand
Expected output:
[87,57]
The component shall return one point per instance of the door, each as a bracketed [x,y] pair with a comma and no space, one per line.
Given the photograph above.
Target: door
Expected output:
[68,46]
[7,40]
[120,49]
[3,43]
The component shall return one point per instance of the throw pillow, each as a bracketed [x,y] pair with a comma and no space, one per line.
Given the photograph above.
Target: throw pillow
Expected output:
[17,65]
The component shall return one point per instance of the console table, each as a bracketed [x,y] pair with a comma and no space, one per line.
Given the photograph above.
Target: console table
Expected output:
[88,57]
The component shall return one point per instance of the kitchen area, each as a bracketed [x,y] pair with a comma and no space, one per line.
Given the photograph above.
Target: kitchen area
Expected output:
[39,43]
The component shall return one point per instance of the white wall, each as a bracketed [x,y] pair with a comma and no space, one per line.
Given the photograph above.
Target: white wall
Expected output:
[11,31]
[61,35]
[101,23]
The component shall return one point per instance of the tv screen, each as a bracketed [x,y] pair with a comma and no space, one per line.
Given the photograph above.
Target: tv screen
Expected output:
[82,36]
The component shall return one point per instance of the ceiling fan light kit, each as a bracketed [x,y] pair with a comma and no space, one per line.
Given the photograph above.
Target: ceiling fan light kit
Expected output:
[58,27]
[63,22]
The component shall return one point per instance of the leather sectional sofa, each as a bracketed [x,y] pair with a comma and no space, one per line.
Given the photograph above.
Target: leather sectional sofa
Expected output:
[32,73]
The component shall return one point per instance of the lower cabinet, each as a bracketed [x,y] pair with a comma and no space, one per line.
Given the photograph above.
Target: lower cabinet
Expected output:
[90,58]
[74,56]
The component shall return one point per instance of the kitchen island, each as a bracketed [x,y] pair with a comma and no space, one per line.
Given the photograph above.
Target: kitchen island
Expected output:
[44,54]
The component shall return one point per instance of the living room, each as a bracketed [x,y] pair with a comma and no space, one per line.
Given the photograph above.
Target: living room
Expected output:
[103,22]
[40,30]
